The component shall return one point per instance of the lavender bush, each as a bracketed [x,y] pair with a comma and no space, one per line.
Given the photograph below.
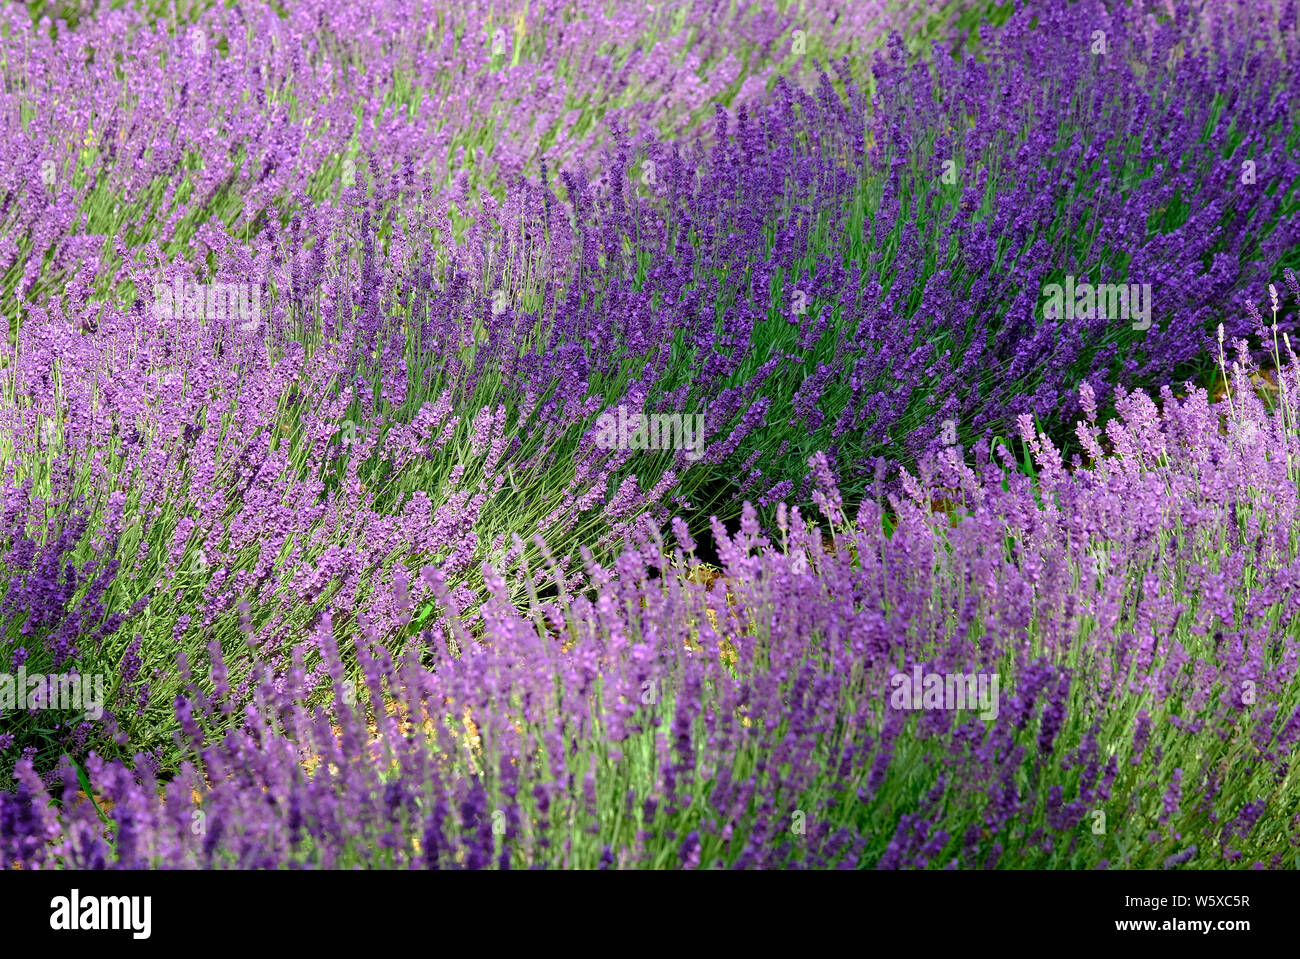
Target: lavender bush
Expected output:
[1144,634]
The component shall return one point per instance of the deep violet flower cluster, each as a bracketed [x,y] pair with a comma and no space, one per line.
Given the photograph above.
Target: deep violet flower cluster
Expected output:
[366,581]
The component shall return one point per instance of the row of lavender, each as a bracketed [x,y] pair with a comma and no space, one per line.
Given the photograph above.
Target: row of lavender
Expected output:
[133,127]
[1143,610]
[190,495]
[1109,145]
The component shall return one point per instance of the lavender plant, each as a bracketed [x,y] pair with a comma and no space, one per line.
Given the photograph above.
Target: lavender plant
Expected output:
[1144,637]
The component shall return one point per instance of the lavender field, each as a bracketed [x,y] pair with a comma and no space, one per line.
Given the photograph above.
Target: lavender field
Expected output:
[787,434]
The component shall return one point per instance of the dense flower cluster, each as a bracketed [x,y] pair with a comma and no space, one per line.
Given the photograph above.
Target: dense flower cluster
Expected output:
[319,317]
